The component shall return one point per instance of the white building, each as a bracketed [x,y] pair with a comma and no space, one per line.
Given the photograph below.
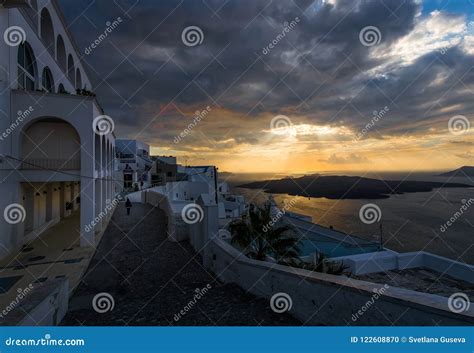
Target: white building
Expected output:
[133,164]
[166,159]
[54,162]
[202,174]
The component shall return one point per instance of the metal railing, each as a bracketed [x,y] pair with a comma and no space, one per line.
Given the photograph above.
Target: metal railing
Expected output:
[51,164]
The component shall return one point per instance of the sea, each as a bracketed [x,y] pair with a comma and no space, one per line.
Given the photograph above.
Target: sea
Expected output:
[440,221]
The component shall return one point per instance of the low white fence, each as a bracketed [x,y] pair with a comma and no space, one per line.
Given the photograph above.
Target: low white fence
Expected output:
[388,260]
[323,299]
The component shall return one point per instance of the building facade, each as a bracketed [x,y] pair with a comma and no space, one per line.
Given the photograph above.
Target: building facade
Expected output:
[163,170]
[132,165]
[56,160]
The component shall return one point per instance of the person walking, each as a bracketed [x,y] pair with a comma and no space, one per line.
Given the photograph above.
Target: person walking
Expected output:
[128,206]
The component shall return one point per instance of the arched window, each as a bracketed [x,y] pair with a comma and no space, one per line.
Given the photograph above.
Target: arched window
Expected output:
[61,53]
[47,31]
[70,68]
[61,88]
[26,67]
[78,79]
[32,11]
[47,80]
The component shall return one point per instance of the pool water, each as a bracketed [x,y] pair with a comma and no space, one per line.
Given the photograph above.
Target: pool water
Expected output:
[334,248]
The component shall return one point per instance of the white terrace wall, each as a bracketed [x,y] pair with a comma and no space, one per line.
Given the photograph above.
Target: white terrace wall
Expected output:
[320,298]
[208,225]
[178,230]
[388,260]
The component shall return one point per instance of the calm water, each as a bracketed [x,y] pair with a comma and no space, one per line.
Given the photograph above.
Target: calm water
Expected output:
[410,222]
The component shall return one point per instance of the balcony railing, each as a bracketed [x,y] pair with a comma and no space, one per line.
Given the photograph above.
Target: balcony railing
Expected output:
[51,164]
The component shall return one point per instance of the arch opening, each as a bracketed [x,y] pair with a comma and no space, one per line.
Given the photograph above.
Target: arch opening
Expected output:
[61,53]
[47,30]
[26,64]
[47,81]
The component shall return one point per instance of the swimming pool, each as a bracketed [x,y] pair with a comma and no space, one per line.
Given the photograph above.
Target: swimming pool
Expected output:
[334,248]
[332,243]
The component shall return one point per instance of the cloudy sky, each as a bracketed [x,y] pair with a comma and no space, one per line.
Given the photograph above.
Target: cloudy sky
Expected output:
[287,85]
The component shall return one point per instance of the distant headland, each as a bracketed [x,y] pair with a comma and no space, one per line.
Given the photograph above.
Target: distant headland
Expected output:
[460,172]
[346,187]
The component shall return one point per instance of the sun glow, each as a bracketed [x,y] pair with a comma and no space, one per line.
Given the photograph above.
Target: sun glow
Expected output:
[307,130]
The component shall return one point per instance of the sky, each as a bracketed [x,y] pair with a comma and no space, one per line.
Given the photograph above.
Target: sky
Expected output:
[292,86]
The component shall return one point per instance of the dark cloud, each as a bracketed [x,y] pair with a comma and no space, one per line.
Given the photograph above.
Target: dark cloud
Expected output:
[319,73]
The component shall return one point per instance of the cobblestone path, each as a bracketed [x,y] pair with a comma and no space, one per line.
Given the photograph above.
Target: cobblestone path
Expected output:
[151,279]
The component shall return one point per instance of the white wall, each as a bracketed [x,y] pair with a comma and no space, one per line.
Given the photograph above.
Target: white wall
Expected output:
[332,300]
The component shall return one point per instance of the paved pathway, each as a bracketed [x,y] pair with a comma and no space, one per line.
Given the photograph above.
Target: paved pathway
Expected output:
[151,279]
